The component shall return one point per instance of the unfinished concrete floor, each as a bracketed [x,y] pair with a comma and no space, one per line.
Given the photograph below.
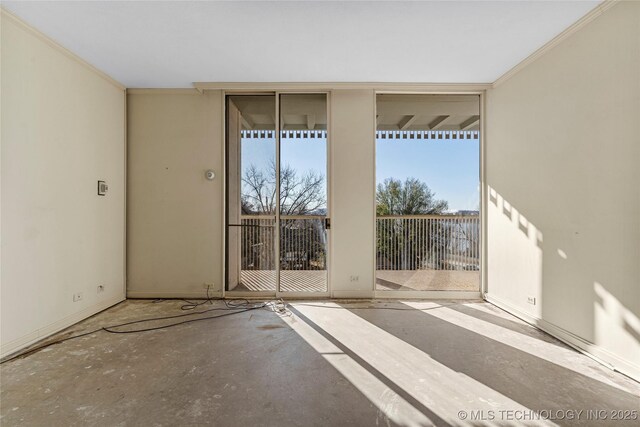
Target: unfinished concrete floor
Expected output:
[330,363]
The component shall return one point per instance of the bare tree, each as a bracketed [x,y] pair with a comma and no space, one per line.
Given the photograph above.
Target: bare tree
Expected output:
[302,241]
[299,195]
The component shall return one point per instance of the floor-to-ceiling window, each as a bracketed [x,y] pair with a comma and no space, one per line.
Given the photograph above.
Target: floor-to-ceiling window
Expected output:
[427,192]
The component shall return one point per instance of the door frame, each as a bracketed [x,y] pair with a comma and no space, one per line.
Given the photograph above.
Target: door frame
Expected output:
[277,293]
[480,293]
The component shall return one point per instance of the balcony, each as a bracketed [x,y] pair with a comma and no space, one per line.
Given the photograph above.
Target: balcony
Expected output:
[413,252]
[428,252]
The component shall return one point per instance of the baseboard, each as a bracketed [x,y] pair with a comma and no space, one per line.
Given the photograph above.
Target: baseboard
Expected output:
[352,294]
[596,352]
[41,333]
[470,295]
[151,294]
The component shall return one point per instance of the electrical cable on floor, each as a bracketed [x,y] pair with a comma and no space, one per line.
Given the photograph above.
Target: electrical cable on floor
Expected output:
[110,329]
[190,305]
[236,306]
[242,306]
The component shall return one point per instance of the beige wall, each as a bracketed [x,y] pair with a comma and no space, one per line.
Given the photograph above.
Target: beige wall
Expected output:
[563,169]
[62,131]
[563,211]
[352,192]
[174,215]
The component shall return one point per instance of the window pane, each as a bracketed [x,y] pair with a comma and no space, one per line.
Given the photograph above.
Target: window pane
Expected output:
[303,192]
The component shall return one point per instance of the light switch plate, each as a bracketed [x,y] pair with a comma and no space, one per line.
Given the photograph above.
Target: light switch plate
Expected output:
[102,188]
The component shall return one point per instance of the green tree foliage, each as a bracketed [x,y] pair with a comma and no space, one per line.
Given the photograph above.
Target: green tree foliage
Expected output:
[413,197]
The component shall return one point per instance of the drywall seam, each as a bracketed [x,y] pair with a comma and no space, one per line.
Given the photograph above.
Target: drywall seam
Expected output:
[44,38]
[573,28]
[41,333]
[594,351]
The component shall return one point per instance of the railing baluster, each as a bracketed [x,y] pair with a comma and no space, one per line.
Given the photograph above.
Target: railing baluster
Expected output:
[415,242]
[427,241]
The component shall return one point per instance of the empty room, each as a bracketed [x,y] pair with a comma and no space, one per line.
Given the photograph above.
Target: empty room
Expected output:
[320,213]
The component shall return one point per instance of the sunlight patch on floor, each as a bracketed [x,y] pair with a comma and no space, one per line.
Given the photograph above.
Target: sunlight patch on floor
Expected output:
[442,390]
[550,352]
[390,405]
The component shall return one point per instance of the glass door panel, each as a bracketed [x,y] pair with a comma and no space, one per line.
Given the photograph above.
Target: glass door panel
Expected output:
[276,193]
[251,194]
[303,208]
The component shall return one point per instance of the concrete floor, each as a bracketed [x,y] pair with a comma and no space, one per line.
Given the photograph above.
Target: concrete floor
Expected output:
[329,363]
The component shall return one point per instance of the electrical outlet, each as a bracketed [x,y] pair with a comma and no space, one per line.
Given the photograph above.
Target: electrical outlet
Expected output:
[77,297]
[354,278]
[100,289]
[531,300]
[208,285]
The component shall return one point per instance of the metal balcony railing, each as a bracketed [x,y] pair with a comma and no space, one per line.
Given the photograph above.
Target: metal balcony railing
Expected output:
[407,242]
[303,242]
[422,242]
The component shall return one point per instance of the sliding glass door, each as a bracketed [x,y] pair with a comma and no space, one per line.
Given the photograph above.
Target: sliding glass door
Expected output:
[427,192]
[303,193]
[276,194]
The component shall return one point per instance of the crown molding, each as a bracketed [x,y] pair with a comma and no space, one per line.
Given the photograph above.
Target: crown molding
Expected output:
[200,87]
[163,91]
[573,28]
[379,86]
[55,45]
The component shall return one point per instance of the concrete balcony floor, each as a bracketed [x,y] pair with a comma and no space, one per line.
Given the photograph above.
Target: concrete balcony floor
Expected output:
[316,280]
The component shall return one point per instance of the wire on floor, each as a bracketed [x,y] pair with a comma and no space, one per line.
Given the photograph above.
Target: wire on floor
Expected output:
[233,306]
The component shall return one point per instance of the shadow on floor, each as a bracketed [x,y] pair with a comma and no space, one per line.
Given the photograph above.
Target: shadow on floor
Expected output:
[529,380]
[324,364]
[504,322]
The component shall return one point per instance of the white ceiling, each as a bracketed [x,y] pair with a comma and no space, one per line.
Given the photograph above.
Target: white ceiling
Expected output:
[172,44]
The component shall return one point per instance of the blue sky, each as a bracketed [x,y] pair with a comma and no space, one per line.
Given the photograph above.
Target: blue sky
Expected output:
[449,167]
[303,155]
